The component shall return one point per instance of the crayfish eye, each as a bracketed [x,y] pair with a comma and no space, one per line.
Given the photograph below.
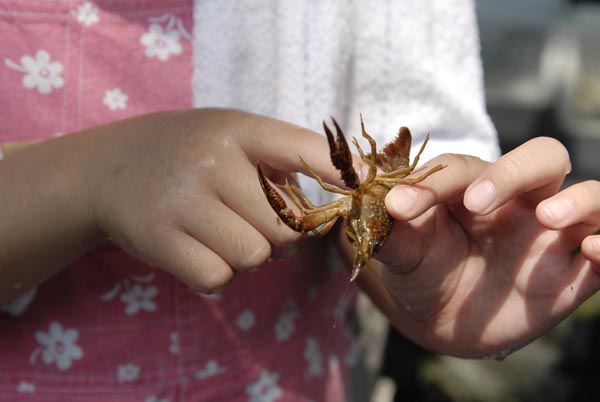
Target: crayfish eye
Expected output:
[376,245]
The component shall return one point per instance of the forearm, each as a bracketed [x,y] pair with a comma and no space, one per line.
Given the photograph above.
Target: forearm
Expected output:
[44,216]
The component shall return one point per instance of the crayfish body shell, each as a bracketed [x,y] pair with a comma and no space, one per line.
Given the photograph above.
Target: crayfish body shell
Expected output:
[367,221]
[368,225]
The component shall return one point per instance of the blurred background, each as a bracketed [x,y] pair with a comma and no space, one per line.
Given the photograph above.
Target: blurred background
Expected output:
[541,62]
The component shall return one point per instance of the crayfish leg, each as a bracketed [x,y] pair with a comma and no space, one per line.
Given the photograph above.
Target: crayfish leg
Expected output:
[310,218]
[324,186]
[361,153]
[326,228]
[403,180]
[301,200]
[371,160]
[416,160]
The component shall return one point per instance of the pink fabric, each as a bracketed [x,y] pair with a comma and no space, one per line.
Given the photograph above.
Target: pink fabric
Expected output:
[109,328]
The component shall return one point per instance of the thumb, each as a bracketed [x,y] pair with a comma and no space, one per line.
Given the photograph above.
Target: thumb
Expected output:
[421,262]
[405,247]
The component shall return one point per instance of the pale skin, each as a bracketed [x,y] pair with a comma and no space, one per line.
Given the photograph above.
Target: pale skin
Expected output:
[478,270]
[174,188]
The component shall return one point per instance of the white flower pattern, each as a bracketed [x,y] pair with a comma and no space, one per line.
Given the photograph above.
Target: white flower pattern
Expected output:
[162,39]
[160,43]
[115,99]
[26,387]
[58,346]
[265,389]
[135,297]
[87,14]
[312,355]
[211,369]
[245,320]
[286,323]
[128,373]
[41,72]
[174,346]
[138,298]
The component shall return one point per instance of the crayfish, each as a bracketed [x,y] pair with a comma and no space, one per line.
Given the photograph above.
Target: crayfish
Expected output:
[367,221]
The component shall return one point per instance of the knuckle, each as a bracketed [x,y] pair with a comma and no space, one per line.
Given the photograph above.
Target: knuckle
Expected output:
[459,162]
[590,192]
[243,250]
[556,149]
[255,258]
[217,280]
[263,130]
[512,164]
[252,256]
[593,187]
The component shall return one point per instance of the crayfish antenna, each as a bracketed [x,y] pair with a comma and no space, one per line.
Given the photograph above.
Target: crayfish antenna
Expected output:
[355,272]
[340,309]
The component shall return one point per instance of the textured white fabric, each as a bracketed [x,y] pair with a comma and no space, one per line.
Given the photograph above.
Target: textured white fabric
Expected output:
[400,62]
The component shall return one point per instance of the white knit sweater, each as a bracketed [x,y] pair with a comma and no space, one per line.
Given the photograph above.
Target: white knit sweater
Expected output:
[398,62]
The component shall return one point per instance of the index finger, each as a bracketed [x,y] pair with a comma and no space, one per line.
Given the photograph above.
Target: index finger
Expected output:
[280,145]
[533,171]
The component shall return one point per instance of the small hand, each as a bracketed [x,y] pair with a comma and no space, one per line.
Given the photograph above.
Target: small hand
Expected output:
[180,190]
[475,277]
[578,205]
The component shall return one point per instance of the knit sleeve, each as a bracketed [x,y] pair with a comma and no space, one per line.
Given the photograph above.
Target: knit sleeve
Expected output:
[398,63]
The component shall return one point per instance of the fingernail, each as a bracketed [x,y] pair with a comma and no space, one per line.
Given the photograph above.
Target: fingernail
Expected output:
[404,200]
[481,197]
[558,210]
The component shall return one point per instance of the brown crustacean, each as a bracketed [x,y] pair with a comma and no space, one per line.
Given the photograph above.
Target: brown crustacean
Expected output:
[367,221]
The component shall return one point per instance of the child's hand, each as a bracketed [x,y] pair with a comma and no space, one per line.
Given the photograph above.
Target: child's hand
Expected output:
[577,206]
[177,189]
[481,275]
[180,190]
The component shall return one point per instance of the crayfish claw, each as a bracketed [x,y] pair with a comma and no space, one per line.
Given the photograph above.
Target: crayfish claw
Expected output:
[278,203]
[341,157]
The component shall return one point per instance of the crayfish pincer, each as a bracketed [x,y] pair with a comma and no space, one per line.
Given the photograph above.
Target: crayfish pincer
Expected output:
[367,222]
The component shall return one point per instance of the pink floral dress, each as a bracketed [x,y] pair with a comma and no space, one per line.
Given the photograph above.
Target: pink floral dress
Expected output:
[109,328]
